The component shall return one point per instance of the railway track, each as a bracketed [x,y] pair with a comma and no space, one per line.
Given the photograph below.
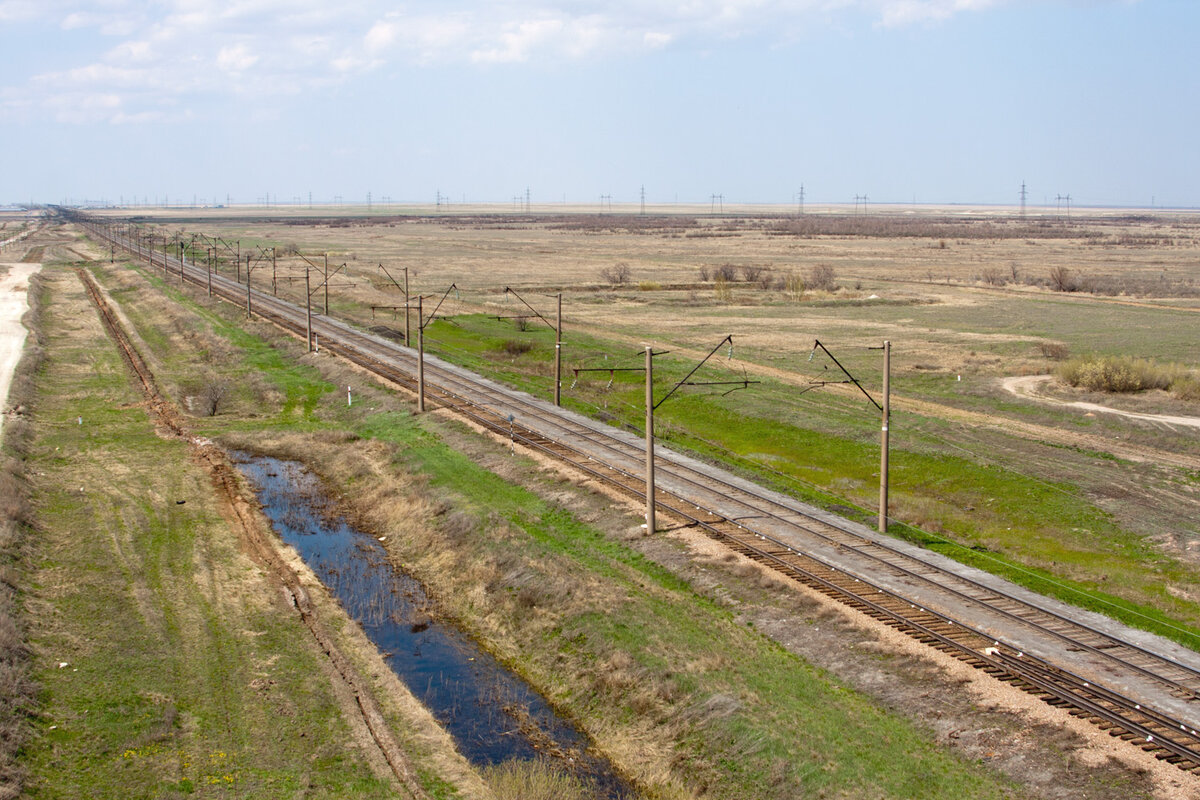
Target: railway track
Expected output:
[1141,689]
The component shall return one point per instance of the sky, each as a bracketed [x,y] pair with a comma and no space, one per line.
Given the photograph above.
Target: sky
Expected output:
[900,101]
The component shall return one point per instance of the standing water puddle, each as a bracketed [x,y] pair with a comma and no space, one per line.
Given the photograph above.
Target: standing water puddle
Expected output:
[493,715]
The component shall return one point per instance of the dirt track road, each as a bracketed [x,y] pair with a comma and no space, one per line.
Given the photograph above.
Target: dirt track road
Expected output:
[1029,387]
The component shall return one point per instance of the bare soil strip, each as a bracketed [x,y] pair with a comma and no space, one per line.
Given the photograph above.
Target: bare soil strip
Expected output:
[224,479]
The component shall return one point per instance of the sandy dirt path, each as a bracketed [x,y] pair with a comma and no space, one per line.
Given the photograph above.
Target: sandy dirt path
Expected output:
[14,302]
[1030,388]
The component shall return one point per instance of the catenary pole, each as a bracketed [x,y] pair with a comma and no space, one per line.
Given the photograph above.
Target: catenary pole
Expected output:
[883,449]
[650,521]
[420,357]
[558,355]
[307,309]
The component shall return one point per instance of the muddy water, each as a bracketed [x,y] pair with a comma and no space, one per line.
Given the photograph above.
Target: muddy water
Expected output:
[492,714]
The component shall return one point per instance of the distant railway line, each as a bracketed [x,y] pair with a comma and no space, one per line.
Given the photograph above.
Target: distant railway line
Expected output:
[1136,686]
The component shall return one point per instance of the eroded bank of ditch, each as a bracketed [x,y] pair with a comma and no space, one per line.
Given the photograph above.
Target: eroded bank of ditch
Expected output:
[493,715]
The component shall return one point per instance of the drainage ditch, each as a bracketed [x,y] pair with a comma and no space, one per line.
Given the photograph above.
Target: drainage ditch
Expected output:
[492,714]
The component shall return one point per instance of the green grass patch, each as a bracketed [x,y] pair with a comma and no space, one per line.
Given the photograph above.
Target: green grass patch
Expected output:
[166,668]
[1041,534]
[755,722]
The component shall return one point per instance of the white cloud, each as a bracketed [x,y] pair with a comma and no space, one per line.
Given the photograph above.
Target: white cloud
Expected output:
[170,48]
[235,58]
[381,36]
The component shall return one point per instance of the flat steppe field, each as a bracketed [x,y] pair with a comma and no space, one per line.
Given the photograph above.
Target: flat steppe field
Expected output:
[991,462]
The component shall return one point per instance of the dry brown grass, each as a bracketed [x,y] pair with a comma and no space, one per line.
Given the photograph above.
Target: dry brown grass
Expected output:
[534,780]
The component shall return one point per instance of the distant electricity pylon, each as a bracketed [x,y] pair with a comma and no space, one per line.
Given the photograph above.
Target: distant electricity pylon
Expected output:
[1023,193]
[860,198]
[643,199]
[527,204]
[718,200]
[800,208]
[1061,199]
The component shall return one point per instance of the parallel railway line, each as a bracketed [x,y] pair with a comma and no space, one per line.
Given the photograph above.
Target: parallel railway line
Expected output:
[1146,692]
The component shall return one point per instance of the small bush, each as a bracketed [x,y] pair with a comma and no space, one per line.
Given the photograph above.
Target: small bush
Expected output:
[704,274]
[649,286]
[211,396]
[751,274]
[1117,374]
[617,275]
[822,277]
[992,276]
[1187,388]
[1061,280]
[1056,351]
[794,285]
[722,290]
[517,347]
[725,272]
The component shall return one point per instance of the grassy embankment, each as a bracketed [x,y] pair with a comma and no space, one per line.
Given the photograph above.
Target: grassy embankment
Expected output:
[1047,536]
[683,696]
[168,662]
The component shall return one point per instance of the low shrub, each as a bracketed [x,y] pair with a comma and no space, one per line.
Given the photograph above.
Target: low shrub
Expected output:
[822,277]
[517,347]
[1056,351]
[1118,374]
[618,274]
[1187,388]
